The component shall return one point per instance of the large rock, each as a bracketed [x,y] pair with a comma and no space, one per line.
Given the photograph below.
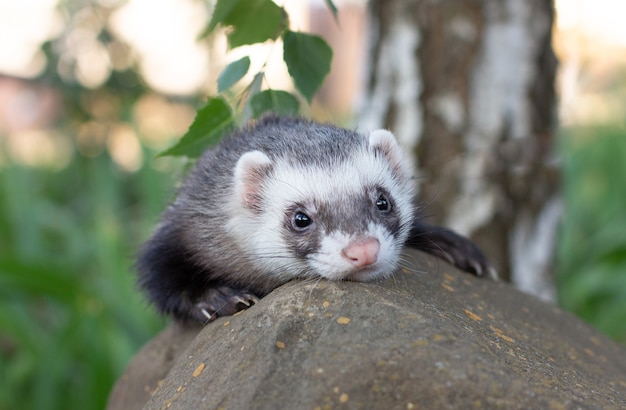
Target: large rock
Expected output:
[428,338]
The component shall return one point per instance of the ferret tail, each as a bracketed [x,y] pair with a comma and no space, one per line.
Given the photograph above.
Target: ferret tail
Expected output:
[167,274]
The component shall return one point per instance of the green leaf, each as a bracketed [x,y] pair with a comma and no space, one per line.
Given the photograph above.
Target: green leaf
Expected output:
[333,9]
[251,21]
[308,60]
[277,101]
[222,10]
[232,73]
[253,89]
[211,123]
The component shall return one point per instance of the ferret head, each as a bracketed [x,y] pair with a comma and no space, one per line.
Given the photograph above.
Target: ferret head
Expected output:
[344,217]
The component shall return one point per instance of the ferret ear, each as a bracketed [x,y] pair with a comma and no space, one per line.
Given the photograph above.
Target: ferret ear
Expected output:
[386,143]
[250,172]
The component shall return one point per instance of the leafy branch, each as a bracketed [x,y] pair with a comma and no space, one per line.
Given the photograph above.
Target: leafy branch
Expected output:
[306,56]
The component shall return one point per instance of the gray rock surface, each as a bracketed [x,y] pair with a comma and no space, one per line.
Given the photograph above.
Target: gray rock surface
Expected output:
[429,338]
[150,366]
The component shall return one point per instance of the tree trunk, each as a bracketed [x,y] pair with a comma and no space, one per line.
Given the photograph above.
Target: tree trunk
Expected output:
[468,87]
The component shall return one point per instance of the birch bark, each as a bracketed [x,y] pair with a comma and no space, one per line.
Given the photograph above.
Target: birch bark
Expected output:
[468,88]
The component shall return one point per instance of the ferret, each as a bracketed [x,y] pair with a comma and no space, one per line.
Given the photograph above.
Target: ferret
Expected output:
[287,198]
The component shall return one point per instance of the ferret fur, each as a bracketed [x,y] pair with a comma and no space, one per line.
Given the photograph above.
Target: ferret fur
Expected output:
[234,232]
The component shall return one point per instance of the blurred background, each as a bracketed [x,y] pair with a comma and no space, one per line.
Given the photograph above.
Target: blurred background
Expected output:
[91,91]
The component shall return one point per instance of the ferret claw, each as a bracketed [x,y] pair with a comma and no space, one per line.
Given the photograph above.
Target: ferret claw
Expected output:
[477,268]
[207,314]
[239,299]
[222,302]
[246,299]
[252,298]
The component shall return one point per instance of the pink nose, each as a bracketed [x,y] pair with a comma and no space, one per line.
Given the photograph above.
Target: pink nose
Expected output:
[362,253]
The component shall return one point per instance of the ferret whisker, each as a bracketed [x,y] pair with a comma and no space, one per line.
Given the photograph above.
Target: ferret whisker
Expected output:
[411,268]
[393,277]
[315,282]
[407,260]
[404,263]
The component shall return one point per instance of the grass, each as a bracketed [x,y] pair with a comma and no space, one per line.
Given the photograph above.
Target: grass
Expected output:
[70,315]
[592,248]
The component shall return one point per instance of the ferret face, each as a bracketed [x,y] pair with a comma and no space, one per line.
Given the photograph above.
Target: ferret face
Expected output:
[346,219]
[349,236]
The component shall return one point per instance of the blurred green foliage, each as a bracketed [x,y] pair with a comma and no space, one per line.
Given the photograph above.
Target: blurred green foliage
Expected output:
[592,247]
[70,314]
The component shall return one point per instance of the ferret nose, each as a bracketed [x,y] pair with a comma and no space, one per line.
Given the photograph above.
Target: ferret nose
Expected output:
[362,253]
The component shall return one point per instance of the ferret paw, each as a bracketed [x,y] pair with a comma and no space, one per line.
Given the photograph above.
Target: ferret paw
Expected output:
[456,249]
[223,302]
[469,260]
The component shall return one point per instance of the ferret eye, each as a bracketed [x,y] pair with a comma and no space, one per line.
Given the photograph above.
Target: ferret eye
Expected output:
[301,220]
[383,204]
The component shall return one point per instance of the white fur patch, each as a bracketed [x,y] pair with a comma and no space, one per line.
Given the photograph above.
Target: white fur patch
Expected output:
[329,262]
[382,137]
[387,143]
